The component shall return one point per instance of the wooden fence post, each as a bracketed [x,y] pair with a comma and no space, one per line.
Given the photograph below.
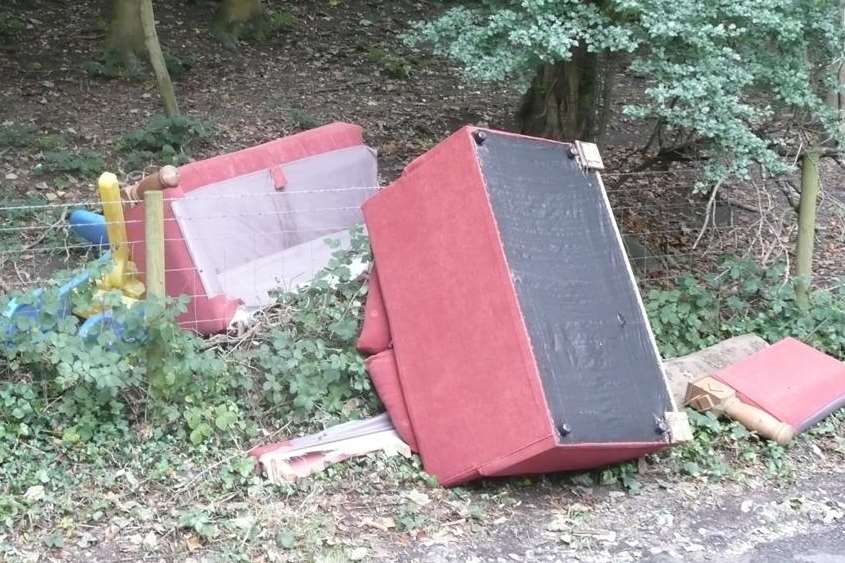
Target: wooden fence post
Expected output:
[154,233]
[807,225]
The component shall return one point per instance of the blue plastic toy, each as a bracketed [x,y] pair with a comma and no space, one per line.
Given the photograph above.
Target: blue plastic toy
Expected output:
[90,328]
[90,226]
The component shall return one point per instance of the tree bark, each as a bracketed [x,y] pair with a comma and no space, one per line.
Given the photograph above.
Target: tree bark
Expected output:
[234,14]
[126,36]
[568,100]
[165,85]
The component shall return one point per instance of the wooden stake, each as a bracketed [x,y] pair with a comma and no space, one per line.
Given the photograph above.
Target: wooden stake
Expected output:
[154,232]
[807,225]
[165,85]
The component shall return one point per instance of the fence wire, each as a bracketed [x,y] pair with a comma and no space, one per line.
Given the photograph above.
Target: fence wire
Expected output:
[227,235]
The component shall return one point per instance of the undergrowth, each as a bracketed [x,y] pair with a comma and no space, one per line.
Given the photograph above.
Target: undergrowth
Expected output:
[743,297]
[89,423]
[740,297]
[83,163]
[110,64]
[163,140]
[310,358]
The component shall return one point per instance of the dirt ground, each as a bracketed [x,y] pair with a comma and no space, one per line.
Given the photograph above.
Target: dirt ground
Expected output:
[318,68]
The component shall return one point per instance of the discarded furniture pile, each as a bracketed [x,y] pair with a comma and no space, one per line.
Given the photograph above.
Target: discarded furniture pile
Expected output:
[503,330]
[505,335]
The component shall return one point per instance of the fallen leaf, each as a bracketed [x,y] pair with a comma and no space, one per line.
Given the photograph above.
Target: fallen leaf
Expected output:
[418,498]
[384,523]
[150,540]
[357,554]
[34,494]
[193,543]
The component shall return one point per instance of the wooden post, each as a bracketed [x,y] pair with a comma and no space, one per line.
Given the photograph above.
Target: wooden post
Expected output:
[165,85]
[807,225]
[154,232]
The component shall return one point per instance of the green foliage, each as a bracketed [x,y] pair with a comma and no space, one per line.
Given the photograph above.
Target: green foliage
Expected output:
[148,365]
[410,518]
[16,135]
[394,66]
[25,216]
[301,119]
[744,297]
[200,522]
[141,366]
[84,163]
[11,26]
[719,445]
[723,72]
[112,65]
[271,24]
[178,66]
[310,359]
[164,140]
[260,29]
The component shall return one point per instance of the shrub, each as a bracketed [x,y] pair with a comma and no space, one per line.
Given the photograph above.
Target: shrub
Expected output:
[301,119]
[744,297]
[81,163]
[17,136]
[264,28]
[309,358]
[140,365]
[111,65]
[394,66]
[164,140]
[11,26]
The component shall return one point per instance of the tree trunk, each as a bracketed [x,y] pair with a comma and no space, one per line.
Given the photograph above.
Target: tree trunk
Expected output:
[165,85]
[807,226]
[233,15]
[569,100]
[126,36]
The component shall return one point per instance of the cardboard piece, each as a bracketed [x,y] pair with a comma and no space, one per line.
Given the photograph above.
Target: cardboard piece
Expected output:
[299,457]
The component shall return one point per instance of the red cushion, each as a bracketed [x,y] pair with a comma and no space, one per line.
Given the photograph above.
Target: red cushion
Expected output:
[385,377]
[375,333]
[793,382]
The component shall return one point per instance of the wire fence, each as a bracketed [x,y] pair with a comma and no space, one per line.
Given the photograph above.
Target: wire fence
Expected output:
[233,248]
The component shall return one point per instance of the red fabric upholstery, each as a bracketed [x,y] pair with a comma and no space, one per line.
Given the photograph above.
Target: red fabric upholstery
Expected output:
[385,377]
[793,382]
[466,368]
[375,332]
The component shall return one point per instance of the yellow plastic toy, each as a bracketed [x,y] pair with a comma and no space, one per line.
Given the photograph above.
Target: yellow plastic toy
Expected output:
[124,274]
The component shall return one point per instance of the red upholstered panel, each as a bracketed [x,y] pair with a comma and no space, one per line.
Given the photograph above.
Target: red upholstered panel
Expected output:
[466,368]
[385,377]
[213,315]
[375,332]
[572,458]
[793,382]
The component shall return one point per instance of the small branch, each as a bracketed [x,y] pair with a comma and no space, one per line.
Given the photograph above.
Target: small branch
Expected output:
[707,212]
